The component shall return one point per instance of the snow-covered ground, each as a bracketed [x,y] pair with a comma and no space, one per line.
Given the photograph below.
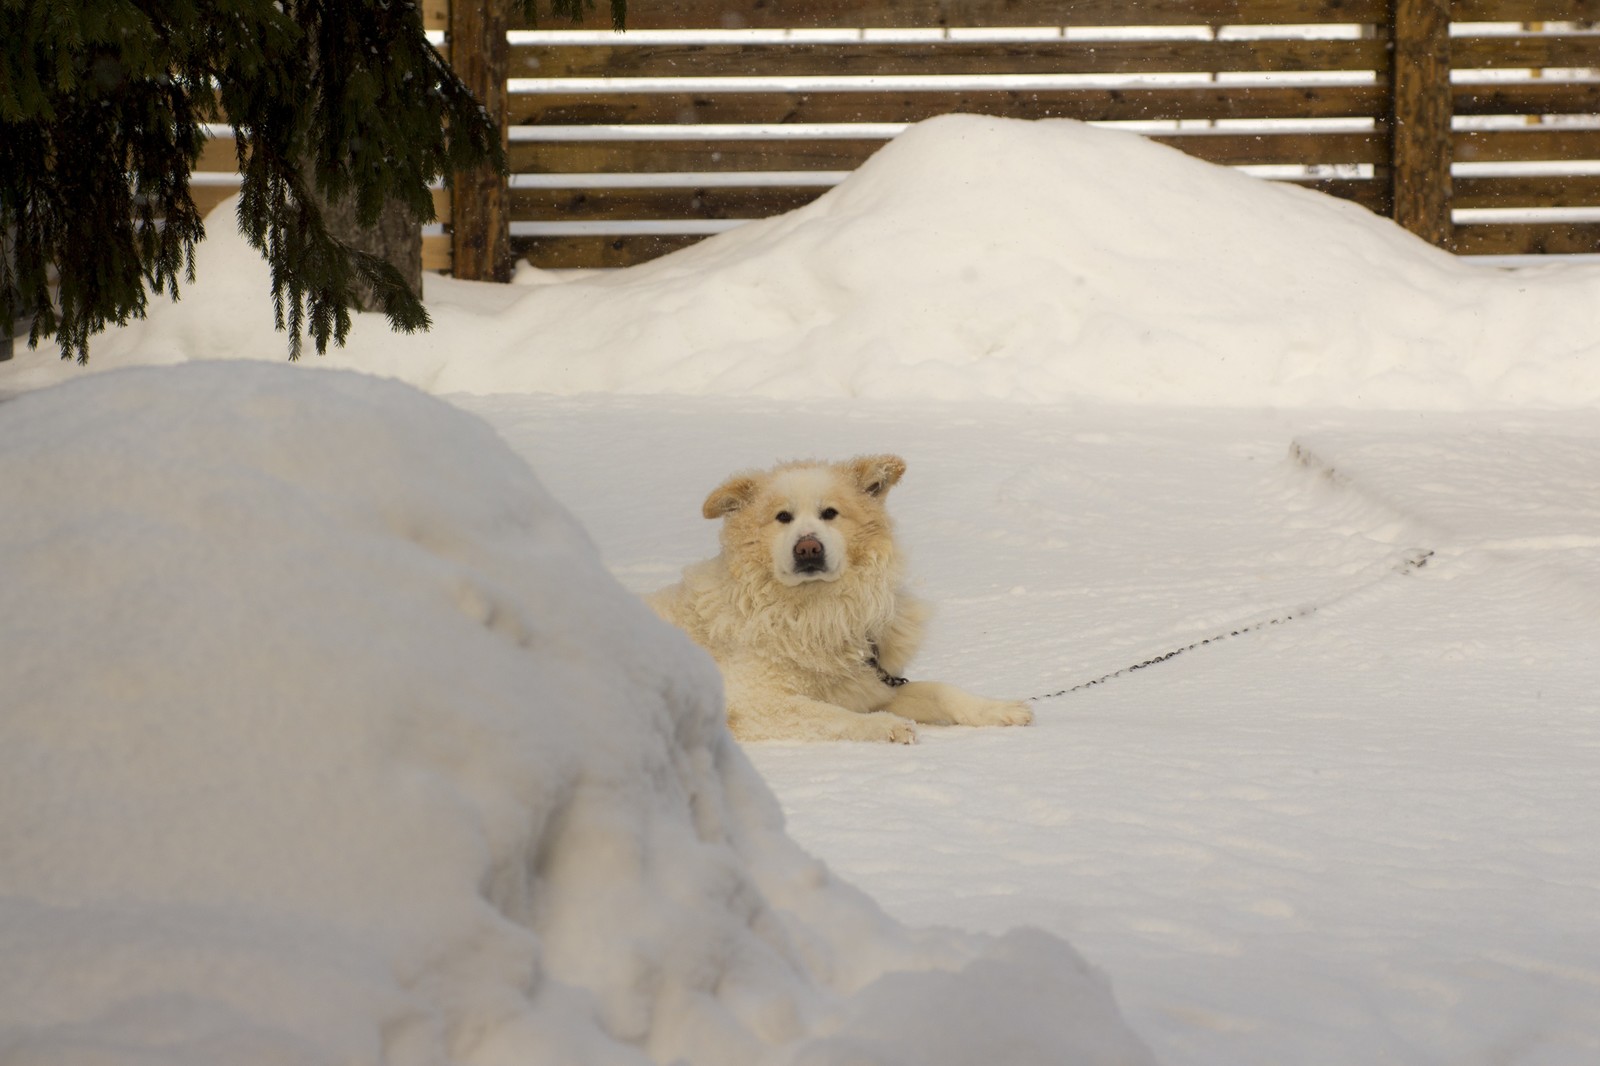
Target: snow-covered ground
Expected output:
[1146,404]
[1365,834]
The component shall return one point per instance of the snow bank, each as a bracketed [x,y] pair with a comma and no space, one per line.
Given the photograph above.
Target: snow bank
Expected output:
[326,738]
[977,257]
[1047,261]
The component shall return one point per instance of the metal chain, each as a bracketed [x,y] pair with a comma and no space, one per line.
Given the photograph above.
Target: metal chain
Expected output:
[1175,652]
[1412,562]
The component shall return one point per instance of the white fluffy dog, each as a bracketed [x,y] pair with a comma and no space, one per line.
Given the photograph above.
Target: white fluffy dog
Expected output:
[804,612]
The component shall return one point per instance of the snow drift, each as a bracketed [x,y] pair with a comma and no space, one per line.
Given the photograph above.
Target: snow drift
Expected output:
[326,738]
[1045,261]
[977,257]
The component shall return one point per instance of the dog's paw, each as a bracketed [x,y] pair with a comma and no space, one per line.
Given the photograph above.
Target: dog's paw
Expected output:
[887,728]
[1000,712]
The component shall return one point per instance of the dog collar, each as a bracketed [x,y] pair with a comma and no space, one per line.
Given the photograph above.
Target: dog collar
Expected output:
[883,675]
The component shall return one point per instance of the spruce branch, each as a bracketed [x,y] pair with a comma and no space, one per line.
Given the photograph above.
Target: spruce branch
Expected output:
[103,109]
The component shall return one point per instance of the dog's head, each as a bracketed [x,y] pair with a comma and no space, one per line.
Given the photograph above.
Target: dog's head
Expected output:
[807,522]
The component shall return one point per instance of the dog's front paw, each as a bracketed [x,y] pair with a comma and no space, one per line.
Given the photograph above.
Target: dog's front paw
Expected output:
[1000,712]
[886,728]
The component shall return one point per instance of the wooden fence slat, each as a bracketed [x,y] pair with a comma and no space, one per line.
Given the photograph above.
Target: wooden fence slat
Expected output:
[436,252]
[683,204]
[1499,51]
[218,156]
[1373,194]
[724,156]
[1525,10]
[601,251]
[1560,190]
[1528,238]
[948,57]
[756,14]
[1545,97]
[822,14]
[745,202]
[720,155]
[207,197]
[1242,149]
[1533,144]
[1103,105]
[661,202]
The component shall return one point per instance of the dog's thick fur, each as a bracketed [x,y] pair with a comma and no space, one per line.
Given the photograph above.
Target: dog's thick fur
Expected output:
[804,599]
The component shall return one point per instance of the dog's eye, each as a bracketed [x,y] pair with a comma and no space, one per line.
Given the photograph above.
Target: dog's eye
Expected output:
[829,514]
[785,517]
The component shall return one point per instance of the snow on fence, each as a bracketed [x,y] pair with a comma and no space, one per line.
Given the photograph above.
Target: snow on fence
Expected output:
[1474,123]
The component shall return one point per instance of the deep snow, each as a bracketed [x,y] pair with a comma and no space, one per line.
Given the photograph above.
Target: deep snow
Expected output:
[1366,834]
[328,739]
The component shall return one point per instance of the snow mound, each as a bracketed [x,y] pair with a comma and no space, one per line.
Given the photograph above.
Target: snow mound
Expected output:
[1047,261]
[977,257]
[326,738]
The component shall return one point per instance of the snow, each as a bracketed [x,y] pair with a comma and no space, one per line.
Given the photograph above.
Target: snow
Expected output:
[329,737]
[984,258]
[1368,834]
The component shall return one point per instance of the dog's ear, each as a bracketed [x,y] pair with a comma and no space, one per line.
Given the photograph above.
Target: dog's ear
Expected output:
[875,475]
[730,496]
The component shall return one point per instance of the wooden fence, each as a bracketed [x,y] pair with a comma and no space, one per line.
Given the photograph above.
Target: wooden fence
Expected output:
[1474,123]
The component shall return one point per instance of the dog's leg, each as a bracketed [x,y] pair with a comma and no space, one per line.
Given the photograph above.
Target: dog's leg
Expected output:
[933,703]
[799,718]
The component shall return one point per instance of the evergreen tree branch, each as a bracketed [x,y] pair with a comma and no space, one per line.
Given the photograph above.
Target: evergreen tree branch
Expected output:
[103,107]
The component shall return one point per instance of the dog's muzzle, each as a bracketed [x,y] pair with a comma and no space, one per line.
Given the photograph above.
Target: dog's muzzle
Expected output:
[810,557]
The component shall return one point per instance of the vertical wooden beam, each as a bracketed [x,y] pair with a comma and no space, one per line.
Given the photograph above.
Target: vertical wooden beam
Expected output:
[480,216]
[1421,118]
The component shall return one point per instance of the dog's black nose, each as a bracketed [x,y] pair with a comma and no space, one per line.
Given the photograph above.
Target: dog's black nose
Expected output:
[809,555]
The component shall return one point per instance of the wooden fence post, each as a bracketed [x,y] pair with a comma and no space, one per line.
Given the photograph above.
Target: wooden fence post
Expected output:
[1420,120]
[479,199]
